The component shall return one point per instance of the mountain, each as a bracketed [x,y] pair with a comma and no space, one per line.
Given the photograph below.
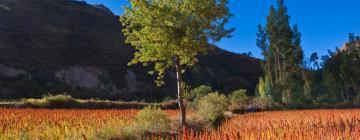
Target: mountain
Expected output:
[67,46]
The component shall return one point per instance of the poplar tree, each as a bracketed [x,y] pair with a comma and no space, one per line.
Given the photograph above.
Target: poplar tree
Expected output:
[171,33]
[281,47]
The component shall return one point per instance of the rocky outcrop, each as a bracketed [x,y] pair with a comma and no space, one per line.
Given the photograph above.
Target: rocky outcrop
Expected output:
[78,76]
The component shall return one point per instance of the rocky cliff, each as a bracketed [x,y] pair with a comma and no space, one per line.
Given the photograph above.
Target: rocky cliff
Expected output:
[55,46]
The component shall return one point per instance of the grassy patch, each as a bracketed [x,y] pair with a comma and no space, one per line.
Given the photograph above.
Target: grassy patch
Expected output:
[66,101]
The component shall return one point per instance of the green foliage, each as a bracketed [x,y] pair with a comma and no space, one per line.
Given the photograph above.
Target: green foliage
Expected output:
[314,60]
[261,103]
[280,45]
[308,83]
[66,101]
[332,87]
[211,107]
[336,85]
[341,73]
[238,100]
[153,118]
[264,87]
[167,99]
[350,67]
[59,98]
[163,31]
[171,34]
[149,119]
[56,101]
[293,89]
[198,93]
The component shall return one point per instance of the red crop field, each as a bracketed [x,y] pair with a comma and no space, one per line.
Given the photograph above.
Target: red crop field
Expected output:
[64,124]
[289,125]
[103,124]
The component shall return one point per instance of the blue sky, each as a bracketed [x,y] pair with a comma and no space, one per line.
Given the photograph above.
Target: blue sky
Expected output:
[324,24]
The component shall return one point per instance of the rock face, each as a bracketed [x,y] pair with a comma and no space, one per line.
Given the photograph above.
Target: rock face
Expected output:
[77,76]
[71,46]
[11,72]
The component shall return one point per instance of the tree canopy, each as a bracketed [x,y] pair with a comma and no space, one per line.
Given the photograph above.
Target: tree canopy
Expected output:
[161,30]
[283,55]
[171,33]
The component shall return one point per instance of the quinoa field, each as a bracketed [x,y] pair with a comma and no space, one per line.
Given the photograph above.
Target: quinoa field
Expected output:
[108,124]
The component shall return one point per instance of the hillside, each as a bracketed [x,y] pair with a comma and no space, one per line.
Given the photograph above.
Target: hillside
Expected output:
[56,46]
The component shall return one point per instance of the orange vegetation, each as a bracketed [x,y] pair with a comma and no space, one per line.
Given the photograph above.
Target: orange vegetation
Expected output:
[64,124]
[104,124]
[289,125]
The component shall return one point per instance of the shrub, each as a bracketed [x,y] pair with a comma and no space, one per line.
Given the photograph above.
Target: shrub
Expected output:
[238,100]
[60,100]
[52,101]
[260,103]
[66,101]
[198,93]
[168,99]
[153,118]
[211,107]
[150,119]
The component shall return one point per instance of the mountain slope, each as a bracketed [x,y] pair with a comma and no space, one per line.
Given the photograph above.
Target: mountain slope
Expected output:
[69,46]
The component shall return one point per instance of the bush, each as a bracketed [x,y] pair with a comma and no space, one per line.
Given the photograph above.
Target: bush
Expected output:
[238,100]
[150,119]
[260,103]
[198,93]
[168,99]
[60,100]
[211,107]
[52,101]
[66,101]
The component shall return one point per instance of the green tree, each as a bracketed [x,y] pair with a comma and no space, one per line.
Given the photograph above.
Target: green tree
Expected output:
[330,79]
[171,33]
[350,67]
[264,88]
[341,72]
[314,61]
[280,45]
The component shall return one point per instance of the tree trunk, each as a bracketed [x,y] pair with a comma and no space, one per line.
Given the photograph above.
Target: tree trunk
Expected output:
[277,64]
[180,92]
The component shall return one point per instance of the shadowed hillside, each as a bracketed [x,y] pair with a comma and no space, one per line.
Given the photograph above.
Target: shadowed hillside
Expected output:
[67,46]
